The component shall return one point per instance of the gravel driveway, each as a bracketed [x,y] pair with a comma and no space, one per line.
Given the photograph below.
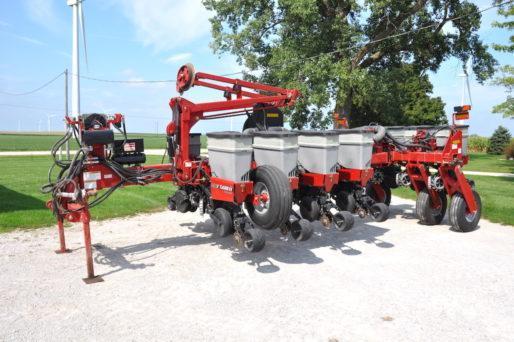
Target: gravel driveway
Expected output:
[166,278]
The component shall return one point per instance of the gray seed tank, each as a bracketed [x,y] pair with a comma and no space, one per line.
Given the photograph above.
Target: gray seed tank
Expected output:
[318,150]
[277,148]
[355,148]
[230,155]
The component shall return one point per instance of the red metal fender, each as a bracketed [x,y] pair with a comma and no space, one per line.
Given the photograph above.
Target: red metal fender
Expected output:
[320,180]
[229,191]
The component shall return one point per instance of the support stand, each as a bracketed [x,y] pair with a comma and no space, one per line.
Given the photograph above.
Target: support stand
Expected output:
[85,219]
[62,241]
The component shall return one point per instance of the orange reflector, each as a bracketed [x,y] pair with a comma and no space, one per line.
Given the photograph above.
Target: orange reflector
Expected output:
[461,116]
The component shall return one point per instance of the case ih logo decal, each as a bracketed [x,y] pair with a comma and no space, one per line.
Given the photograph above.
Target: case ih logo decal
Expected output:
[223,187]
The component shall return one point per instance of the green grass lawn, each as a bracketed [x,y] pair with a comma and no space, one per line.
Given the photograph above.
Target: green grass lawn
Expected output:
[497,194]
[22,205]
[44,142]
[489,163]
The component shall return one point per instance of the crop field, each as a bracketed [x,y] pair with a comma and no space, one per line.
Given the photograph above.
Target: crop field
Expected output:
[22,205]
[44,142]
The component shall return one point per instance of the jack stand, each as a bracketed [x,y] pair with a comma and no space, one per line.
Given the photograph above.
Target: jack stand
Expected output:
[91,278]
[62,240]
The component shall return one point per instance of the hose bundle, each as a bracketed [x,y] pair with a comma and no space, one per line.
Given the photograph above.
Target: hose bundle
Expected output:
[70,170]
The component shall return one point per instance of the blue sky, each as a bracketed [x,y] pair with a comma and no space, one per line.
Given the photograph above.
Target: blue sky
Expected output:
[149,40]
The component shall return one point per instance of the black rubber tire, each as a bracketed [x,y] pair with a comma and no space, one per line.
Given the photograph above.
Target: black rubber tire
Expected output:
[280,198]
[301,230]
[457,213]
[371,193]
[343,221]
[379,212]
[346,201]
[182,203]
[309,208]
[253,240]
[223,222]
[426,214]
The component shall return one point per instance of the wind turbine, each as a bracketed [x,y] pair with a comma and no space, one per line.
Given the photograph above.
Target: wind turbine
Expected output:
[77,19]
[49,122]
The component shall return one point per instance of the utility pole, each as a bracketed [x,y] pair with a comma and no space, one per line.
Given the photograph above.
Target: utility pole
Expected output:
[66,125]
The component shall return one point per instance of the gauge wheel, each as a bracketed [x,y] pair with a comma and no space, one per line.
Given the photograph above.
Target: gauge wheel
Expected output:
[460,218]
[223,222]
[427,212]
[309,208]
[253,240]
[301,230]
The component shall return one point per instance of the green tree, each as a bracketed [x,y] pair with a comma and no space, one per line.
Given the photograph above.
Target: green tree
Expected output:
[499,140]
[347,55]
[507,79]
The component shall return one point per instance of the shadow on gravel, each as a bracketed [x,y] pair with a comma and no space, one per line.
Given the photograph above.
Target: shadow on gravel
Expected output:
[118,257]
[406,211]
[278,249]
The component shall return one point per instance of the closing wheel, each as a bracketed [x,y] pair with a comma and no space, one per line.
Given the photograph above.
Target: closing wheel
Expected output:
[273,199]
[253,240]
[185,77]
[345,201]
[460,217]
[379,192]
[343,221]
[309,208]
[379,212]
[223,222]
[301,230]
[427,212]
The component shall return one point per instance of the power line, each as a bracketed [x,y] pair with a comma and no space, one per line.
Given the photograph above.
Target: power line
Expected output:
[124,81]
[29,107]
[34,90]
[141,81]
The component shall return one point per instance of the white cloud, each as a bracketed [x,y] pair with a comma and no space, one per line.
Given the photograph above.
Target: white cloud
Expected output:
[167,24]
[43,12]
[63,53]
[4,23]
[25,39]
[178,57]
[131,75]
